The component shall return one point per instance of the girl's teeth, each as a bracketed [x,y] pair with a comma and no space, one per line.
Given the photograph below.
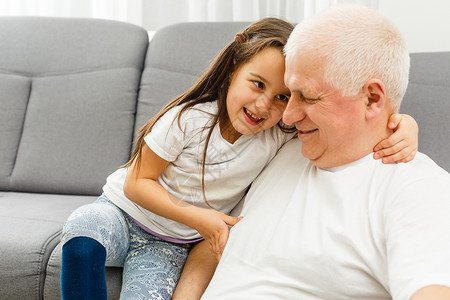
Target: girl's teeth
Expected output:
[253,116]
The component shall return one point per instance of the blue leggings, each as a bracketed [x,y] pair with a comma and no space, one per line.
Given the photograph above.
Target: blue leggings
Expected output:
[152,266]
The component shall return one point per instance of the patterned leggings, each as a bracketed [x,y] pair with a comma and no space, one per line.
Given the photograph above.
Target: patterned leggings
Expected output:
[152,266]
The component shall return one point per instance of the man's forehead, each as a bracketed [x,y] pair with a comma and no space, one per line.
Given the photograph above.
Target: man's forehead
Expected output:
[298,82]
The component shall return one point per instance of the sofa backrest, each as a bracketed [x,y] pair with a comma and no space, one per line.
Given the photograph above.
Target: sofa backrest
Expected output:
[427,99]
[68,90]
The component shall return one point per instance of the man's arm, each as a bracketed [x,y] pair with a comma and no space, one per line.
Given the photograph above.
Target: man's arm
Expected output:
[432,292]
[197,272]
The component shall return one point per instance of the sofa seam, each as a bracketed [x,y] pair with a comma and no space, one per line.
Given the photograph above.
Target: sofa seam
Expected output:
[43,265]
[172,71]
[136,105]
[55,74]
[19,142]
[44,294]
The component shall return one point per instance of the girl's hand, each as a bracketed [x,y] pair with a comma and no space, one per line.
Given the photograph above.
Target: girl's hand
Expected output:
[402,145]
[213,227]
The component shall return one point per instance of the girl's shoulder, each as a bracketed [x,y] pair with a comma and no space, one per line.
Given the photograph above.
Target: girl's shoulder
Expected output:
[201,113]
[188,121]
[195,113]
[203,109]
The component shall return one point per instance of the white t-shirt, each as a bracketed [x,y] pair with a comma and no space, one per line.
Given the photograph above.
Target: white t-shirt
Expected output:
[229,170]
[365,230]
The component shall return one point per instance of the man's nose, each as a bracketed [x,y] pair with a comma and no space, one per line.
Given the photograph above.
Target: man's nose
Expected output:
[294,111]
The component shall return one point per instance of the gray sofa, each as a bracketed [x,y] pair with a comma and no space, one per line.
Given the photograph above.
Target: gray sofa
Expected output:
[74,92]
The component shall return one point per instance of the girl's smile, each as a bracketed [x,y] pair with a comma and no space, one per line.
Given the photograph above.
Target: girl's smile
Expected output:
[251,118]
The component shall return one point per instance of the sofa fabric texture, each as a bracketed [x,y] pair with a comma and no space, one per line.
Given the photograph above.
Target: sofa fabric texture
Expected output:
[74,93]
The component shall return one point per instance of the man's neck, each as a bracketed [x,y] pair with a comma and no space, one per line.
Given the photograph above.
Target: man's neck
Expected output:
[370,136]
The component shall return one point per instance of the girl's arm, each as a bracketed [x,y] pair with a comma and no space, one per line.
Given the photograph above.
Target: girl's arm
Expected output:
[402,145]
[197,273]
[141,187]
[432,292]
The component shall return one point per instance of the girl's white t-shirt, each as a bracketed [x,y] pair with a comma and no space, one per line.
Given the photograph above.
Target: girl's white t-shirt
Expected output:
[229,168]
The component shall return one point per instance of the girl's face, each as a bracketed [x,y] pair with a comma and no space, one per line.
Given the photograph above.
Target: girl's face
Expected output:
[257,95]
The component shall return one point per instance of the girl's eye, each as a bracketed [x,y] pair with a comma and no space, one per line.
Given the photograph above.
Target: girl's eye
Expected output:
[259,84]
[282,97]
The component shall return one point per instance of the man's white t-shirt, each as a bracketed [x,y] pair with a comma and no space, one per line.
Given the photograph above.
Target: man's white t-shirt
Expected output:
[229,169]
[365,230]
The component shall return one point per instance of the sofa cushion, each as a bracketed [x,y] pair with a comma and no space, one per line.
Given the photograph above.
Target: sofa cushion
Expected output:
[13,104]
[30,229]
[69,92]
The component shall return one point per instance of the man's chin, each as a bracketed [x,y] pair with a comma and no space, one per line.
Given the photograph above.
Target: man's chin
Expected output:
[310,154]
[320,159]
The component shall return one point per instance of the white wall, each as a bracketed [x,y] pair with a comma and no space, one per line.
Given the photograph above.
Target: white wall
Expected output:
[425,24]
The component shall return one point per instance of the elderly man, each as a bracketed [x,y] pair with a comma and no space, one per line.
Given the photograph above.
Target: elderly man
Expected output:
[334,223]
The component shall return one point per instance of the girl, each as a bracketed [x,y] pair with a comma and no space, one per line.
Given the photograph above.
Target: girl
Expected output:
[192,164]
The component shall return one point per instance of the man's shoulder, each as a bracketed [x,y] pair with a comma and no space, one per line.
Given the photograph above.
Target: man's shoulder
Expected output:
[420,174]
[423,165]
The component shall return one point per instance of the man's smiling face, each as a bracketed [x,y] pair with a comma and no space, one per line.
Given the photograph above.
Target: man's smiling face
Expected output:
[328,122]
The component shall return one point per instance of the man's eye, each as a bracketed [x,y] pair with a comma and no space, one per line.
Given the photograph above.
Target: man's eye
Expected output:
[258,84]
[283,97]
[308,100]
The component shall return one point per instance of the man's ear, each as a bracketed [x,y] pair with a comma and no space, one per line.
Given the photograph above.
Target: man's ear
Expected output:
[375,92]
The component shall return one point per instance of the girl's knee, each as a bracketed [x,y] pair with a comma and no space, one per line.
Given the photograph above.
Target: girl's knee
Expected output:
[103,222]
[94,220]
[84,249]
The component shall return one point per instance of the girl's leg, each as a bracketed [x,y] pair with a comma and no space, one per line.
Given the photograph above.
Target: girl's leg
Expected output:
[94,235]
[197,273]
[152,267]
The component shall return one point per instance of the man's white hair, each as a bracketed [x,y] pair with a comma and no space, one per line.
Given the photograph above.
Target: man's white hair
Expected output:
[357,44]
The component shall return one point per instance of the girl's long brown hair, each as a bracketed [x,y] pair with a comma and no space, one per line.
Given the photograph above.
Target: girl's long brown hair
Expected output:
[213,84]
